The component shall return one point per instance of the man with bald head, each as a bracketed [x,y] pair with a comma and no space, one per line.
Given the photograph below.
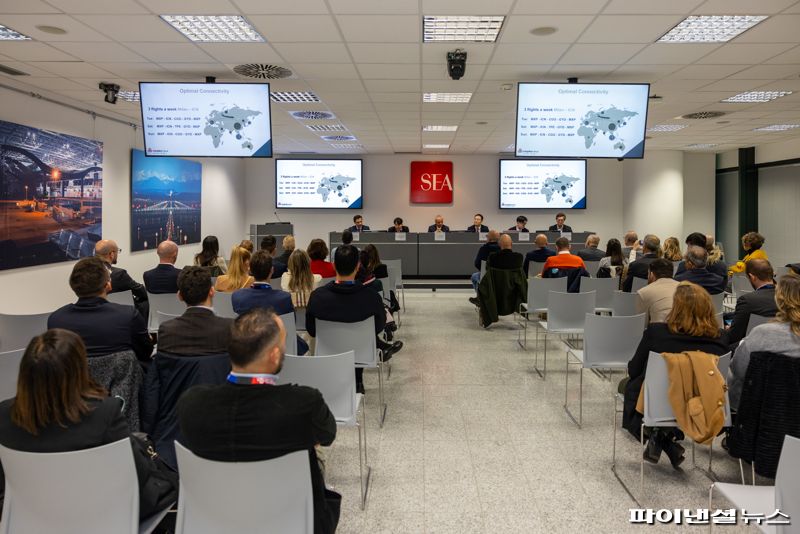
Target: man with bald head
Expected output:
[438,225]
[506,258]
[108,251]
[164,277]
[537,255]
[490,247]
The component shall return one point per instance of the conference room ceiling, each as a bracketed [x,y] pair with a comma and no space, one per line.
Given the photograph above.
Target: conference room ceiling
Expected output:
[366,62]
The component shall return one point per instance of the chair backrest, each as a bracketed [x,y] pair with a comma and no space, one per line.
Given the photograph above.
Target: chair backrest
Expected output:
[121,374]
[623,303]
[300,318]
[223,304]
[121,297]
[164,317]
[163,302]
[275,283]
[539,291]
[591,267]
[395,270]
[740,285]
[16,331]
[291,332]
[603,287]
[270,496]
[787,483]
[720,319]
[756,320]
[336,338]
[9,372]
[638,283]
[71,492]
[611,341]
[675,266]
[718,299]
[567,311]
[483,268]
[332,375]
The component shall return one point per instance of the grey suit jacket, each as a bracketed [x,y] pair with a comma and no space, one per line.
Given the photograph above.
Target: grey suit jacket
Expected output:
[656,299]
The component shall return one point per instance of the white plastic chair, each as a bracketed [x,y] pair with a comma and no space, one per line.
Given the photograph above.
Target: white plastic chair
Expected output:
[765,500]
[566,315]
[333,377]
[718,299]
[608,343]
[16,331]
[638,283]
[592,267]
[223,305]
[9,372]
[538,292]
[335,338]
[275,283]
[740,284]
[720,319]
[164,317]
[72,492]
[623,303]
[266,496]
[483,269]
[326,281]
[395,270]
[756,320]
[300,318]
[604,288]
[121,297]
[163,302]
[291,332]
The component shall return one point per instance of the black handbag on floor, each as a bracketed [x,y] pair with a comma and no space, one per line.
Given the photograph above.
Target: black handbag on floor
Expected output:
[158,482]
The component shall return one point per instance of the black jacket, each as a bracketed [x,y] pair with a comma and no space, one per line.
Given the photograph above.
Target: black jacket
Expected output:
[514,229]
[198,332]
[591,254]
[283,258]
[484,228]
[122,281]
[503,288]
[483,253]
[248,423]
[759,302]
[393,229]
[505,259]
[719,267]
[344,303]
[713,283]
[432,228]
[161,279]
[105,327]
[354,228]
[538,255]
[638,269]
[658,338]
[565,228]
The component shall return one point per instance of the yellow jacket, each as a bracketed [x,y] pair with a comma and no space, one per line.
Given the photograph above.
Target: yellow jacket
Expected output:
[739,266]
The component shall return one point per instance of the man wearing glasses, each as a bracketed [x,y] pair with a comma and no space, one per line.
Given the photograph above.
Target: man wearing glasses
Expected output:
[108,251]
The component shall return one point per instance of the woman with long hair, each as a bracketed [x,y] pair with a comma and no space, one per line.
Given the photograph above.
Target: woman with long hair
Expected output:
[238,275]
[691,325]
[672,249]
[209,256]
[298,279]
[751,243]
[247,245]
[613,264]
[318,251]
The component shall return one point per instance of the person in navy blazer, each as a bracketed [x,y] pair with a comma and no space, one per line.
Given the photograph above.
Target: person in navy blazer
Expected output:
[164,277]
[697,272]
[438,225]
[477,224]
[358,224]
[537,255]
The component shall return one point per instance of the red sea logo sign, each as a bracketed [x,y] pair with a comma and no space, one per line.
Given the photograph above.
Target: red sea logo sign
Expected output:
[431,182]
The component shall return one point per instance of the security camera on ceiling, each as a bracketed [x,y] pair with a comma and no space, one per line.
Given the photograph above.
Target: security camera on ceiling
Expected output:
[111,90]
[456,63]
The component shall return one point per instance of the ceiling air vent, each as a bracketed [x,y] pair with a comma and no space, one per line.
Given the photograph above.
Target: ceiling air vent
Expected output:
[12,72]
[704,115]
[325,127]
[313,115]
[261,71]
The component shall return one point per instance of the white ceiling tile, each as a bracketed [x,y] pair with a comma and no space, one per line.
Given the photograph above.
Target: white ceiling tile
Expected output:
[465,7]
[591,72]
[439,72]
[790,57]
[76,31]
[676,54]
[27,6]
[385,53]
[380,29]
[517,28]
[336,86]
[559,7]
[731,84]
[645,72]
[238,53]
[629,28]
[783,85]
[92,52]
[477,53]
[768,72]
[48,83]
[294,29]
[133,28]
[190,7]
[385,7]
[608,54]
[449,86]
[92,83]
[197,70]
[389,71]
[32,70]
[707,72]
[305,52]
[134,71]
[752,53]
[118,7]
[74,69]
[173,53]
[295,7]
[393,85]
[782,29]
[528,54]
[650,7]
[515,72]
[311,71]
[743,7]
[32,51]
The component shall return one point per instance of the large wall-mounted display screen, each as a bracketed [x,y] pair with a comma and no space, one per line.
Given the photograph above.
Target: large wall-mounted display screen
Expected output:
[567,120]
[539,184]
[206,119]
[318,183]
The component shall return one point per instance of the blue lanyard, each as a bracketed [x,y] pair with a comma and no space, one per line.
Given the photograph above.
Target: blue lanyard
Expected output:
[255,379]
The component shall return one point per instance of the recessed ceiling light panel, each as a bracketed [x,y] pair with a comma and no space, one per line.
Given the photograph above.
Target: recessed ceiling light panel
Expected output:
[215,28]
[7,34]
[129,96]
[756,96]
[439,128]
[293,96]
[700,146]
[777,128]
[447,98]
[710,28]
[436,146]
[347,146]
[478,29]
[666,128]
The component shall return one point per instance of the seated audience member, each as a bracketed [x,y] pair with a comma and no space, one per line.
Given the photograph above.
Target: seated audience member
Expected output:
[697,272]
[299,281]
[565,264]
[751,243]
[238,275]
[477,224]
[614,263]
[349,301]
[691,325]
[288,247]
[358,225]
[591,252]
[505,258]
[270,244]
[164,277]
[672,249]
[247,245]
[640,267]
[252,418]
[780,336]
[657,295]
[108,251]
[520,226]
[318,251]
[714,263]
[60,408]
[760,302]
[559,226]
[632,247]
[106,328]
[794,268]
[199,331]
[209,257]
[438,225]
[490,247]
[373,262]
[537,255]
[365,275]
[398,226]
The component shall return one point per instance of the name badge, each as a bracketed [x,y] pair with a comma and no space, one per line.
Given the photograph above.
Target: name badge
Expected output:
[400,236]
[482,236]
[439,236]
[523,236]
[356,236]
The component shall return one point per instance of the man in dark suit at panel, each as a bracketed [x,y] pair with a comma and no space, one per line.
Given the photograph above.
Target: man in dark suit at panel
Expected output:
[641,267]
[398,226]
[251,418]
[591,252]
[559,226]
[520,226]
[105,327]
[164,277]
[199,331]
[760,302]
[538,255]
[108,251]
[477,224]
[697,271]
[358,224]
[438,225]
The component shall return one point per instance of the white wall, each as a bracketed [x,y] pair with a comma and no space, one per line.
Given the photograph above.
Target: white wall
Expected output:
[43,288]
[779,213]
[653,194]
[699,198]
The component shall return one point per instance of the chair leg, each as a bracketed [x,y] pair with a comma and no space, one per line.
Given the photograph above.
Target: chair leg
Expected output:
[614,454]
[579,421]
[741,470]
[710,498]
[641,460]
[363,461]
[382,399]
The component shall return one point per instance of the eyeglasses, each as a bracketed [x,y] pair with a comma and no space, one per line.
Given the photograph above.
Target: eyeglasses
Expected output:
[119,251]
